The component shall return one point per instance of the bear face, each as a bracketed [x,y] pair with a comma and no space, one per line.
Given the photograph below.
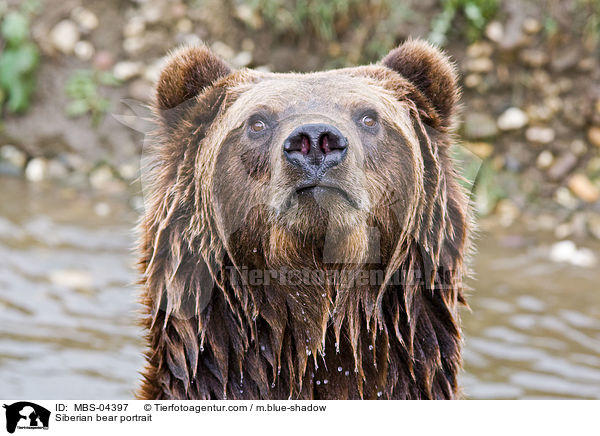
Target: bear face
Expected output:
[345,170]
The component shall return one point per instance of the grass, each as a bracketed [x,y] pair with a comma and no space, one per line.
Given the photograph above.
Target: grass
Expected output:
[19,58]
[476,14]
[83,90]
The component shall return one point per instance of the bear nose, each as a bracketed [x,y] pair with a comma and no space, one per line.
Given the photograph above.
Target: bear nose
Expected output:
[315,147]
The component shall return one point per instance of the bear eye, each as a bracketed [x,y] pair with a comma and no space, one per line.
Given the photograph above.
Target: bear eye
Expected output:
[369,121]
[258,126]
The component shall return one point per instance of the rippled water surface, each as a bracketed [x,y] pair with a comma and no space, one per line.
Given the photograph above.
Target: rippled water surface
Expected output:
[68,307]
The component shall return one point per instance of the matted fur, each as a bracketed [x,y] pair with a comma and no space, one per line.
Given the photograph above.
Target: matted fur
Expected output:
[212,335]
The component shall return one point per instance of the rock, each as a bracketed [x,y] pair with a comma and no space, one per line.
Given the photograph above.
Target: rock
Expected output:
[479,50]
[102,209]
[70,278]
[134,27]
[583,188]
[242,59]
[594,135]
[141,90]
[564,197]
[513,118]
[540,135]
[539,113]
[567,252]
[101,177]
[36,170]
[223,50]
[544,159]
[126,70]
[64,36]
[562,166]
[134,45]
[479,125]
[594,225]
[104,60]
[534,58]
[84,50]
[479,65]
[153,11]
[13,156]
[495,31]
[507,212]
[184,25]
[480,149]
[578,147]
[249,16]
[152,72]
[473,80]
[85,18]
[531,25]
[56,170]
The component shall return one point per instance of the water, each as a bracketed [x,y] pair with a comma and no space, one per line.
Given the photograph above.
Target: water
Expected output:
[69,307]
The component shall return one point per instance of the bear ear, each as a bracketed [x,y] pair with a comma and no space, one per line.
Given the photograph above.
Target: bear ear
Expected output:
[431,71]
[187,73]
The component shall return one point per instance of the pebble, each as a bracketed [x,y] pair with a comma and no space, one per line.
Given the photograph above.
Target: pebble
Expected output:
[84,50]
[141,90]
[544,159]
[531,25]
[56,170]
[479,125]
[102,209]
[513,118]
[594,135]
[36,170]
[495,31]
[480,65]
[507,212]
[223,50]
[583,188]
[567,252]
[104,60]
[594,225]
[242,59]
[152,72]
[540,135]
[126,70]
[564,197]
[101,177]
[473,80]
[71,278]
[184,25]
[479,50]
[133,45]
[134,27]
[534,58]
[64,36]
[562,166]
[14,156]
[86,19]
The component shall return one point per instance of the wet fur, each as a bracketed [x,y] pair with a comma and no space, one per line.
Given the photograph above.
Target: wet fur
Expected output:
[279,341]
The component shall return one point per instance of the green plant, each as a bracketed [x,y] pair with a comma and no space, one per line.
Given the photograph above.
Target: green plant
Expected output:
[82,89]
[301,16]
[477,13]
[19,59]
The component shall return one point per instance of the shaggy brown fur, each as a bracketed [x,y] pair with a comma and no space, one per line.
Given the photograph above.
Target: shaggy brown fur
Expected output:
[223,205]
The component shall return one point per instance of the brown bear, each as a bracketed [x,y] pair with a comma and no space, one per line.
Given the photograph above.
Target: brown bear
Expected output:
[305,234]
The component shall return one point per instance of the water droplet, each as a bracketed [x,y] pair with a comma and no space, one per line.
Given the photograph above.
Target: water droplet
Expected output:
[347,373]
[254,250]
[201,348]
[323,295]
[279,370]
[262,348]
[302,312]
[371,347]
[272,385]
[337,347]
[318,382]
[254,317]
[325,381]
[379,394]
[297,294]
[340,369]
[241,391]
[355,369]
